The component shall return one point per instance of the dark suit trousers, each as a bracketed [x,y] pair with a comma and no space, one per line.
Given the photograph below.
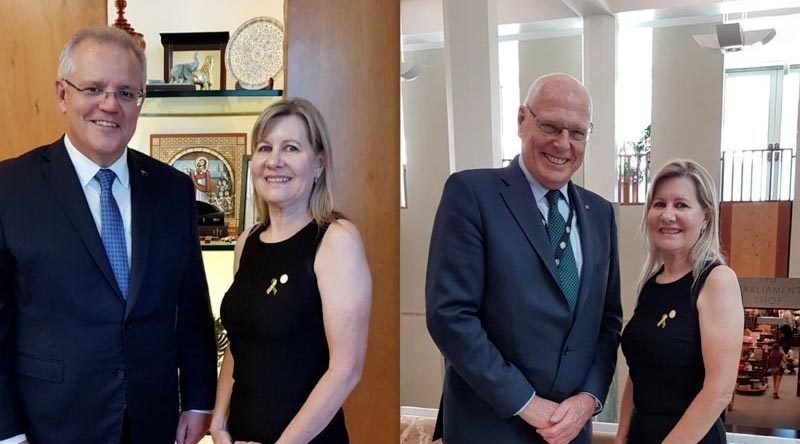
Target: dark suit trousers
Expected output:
[126,429]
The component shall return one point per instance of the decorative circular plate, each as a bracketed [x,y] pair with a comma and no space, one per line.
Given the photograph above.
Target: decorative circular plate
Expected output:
[255,52]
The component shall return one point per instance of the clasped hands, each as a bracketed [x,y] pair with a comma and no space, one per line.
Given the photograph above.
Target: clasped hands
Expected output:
[559,423]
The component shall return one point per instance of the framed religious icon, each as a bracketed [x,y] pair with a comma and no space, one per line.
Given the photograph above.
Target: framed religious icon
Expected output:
[247,207]
[196,58]
[213,162]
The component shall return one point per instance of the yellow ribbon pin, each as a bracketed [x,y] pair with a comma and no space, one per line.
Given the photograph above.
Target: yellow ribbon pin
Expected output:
[663,322]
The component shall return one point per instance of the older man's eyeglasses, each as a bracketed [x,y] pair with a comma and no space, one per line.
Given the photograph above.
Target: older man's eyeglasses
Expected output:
[551,129]
[123,96]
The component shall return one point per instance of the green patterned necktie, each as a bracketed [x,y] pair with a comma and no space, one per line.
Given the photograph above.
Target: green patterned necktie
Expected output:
[568,278]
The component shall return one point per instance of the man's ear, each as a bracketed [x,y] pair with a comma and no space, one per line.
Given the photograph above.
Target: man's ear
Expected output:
[61,93]
[520,119]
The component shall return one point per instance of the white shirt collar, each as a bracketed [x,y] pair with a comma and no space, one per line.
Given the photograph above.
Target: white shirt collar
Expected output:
[87,169]
[539,191]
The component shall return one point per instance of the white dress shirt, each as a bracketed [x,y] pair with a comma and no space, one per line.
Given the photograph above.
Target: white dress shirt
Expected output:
[540,197]
[121,189]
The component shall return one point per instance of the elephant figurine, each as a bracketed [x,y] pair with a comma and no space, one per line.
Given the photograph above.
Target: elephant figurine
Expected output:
[182,72]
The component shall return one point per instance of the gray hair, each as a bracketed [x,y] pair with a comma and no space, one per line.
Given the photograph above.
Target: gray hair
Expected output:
[707,248]
[103,35]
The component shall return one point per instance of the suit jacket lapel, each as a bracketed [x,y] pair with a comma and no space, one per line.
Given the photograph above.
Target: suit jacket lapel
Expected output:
[584,214]
[60,174]
[142,197]
[516,192]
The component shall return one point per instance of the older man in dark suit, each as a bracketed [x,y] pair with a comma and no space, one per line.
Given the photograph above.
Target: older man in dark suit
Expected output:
[522,288]
[106,333]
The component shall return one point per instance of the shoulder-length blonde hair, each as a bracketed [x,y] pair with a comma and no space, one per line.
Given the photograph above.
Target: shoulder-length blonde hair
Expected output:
[706,249]
[320,203]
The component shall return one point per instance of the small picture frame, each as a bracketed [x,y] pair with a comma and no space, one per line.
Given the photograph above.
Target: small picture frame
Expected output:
[203,50]
[247,208]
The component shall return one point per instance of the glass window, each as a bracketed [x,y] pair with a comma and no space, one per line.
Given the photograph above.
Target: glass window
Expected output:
[508,60]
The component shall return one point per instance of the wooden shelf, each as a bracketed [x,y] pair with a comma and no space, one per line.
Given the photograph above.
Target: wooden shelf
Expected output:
[218,93]
[239,102]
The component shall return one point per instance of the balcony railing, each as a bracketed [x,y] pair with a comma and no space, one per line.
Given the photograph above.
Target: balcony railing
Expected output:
[757,175]
[633,177]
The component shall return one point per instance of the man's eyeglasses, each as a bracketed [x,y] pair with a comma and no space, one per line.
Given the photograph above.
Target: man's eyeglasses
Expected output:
[123,96]
[551,129]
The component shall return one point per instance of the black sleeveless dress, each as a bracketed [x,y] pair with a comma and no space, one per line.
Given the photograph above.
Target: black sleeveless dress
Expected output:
[665,359]
[273,315]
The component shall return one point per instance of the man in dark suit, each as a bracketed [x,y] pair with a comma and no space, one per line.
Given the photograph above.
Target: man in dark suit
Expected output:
[522,291]
[106,333]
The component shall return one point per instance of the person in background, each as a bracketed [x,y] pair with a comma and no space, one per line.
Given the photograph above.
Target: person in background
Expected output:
[683,342]
[776,364]
[297,313]
[788,324]
[106,333]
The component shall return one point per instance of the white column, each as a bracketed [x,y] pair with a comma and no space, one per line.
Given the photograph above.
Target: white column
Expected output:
[794,253]
[472,83]
[599,77]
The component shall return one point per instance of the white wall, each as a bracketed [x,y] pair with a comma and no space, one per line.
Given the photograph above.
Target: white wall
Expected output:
[425,120]
[687,98]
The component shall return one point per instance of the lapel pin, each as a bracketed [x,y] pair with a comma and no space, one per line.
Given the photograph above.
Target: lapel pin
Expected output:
[273,287]
[143,173]
[586,207]
[663,322]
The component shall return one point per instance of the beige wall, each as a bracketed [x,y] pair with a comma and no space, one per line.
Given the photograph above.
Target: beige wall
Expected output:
[425,120]
[687,98]
[543,56]
[631,258]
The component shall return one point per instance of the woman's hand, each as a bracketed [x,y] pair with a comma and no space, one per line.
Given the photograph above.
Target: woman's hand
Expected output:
[221,436]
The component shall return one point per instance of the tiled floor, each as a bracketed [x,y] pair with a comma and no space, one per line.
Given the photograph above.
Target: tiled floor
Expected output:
[764,411]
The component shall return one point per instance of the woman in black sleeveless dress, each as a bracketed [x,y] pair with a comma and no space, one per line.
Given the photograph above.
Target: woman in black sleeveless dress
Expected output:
[297,312]
[682,343]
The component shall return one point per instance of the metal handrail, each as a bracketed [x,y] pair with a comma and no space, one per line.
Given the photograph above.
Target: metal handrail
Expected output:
[757,175]
[633,177]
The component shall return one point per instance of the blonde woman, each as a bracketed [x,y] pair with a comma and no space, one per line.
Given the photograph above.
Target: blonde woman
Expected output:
[682,343]
[297,312]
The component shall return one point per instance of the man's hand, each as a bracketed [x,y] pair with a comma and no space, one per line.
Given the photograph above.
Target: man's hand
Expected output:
[538,412]
[191,427]
[568,419]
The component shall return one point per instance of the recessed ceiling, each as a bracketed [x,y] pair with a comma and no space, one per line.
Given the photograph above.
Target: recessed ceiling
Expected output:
[425,16]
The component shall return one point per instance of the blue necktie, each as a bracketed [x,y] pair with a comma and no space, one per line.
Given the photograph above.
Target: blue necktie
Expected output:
[112,231]
[568,278]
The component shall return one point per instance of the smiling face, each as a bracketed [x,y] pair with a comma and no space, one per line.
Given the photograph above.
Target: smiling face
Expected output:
[284,164]
[100,127]
[559,102]
[675,217]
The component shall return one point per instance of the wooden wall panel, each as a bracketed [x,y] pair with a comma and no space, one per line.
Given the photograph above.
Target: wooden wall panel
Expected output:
[344,56]
[33,33]
[756,236]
